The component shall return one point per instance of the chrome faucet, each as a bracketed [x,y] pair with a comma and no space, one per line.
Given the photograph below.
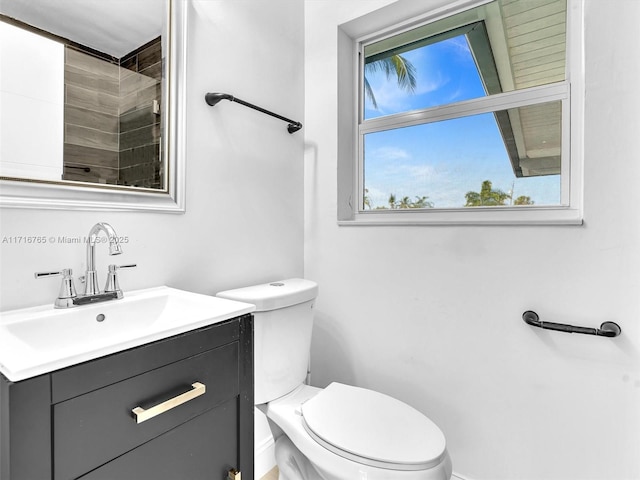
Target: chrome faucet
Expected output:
[91,277]
[67,296]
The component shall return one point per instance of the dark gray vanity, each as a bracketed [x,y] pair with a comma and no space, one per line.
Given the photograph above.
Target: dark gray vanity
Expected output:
[78,422]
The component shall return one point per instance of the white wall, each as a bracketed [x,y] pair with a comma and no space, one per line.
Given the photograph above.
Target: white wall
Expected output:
[244,219]
[432,315]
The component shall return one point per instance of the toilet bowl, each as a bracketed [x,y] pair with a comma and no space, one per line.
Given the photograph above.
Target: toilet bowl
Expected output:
[343,438]
[341,432]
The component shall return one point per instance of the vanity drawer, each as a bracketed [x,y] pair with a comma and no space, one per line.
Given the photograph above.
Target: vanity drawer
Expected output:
[79,379]
[209,442]
[94,428]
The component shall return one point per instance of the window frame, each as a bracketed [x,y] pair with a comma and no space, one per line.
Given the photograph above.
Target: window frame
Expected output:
[397,18]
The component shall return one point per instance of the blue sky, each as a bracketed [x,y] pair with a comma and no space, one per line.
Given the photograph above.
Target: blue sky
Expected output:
[441,160]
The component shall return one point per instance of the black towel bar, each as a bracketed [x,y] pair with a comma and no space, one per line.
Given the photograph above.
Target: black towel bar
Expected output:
[213,98]
[607,329]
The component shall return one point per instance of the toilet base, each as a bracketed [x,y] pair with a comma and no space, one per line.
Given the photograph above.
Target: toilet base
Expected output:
[292,464]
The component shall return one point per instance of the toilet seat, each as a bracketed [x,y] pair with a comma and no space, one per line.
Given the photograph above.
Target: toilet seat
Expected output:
[373,429]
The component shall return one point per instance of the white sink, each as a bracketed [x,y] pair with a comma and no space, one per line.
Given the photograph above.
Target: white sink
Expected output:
[39,340]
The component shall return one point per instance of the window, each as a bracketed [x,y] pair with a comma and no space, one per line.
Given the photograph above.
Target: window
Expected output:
[466,117]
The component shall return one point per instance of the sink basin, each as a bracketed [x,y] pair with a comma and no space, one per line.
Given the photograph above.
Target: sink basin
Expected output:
[39,340]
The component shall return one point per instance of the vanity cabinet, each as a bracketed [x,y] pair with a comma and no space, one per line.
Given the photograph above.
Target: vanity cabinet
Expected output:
[176,409]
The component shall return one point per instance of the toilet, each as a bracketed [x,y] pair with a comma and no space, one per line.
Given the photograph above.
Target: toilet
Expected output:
[340,432]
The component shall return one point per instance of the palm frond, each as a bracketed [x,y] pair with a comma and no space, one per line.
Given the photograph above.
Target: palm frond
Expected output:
[394,65]
[368,91]
[405,72]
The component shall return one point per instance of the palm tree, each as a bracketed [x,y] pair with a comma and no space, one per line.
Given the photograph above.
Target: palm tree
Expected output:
[397,65]
[523,200]
[367,200]
[404,202]
[486,197]
[419,202]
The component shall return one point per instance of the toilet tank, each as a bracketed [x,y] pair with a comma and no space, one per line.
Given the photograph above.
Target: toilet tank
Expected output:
[283,321]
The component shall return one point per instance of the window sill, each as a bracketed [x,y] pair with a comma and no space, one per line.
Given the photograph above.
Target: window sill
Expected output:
[468,216]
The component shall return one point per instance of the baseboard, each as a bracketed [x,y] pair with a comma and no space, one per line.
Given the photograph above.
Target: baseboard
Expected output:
[264,456]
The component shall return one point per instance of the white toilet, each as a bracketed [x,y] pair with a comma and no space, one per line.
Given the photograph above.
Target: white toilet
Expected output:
[340,432]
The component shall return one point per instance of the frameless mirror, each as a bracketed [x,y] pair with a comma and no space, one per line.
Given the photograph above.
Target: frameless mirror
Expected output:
[92,96]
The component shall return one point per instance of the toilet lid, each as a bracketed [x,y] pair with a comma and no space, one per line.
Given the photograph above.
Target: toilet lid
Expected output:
[372,428]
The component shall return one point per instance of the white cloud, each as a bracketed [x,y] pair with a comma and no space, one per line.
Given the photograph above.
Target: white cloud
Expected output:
[392,99]
[389,153]
[420,171]
[460,46]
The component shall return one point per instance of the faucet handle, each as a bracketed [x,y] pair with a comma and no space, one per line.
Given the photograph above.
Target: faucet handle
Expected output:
[120,267]
[67,289]
[112,279]
[64,272]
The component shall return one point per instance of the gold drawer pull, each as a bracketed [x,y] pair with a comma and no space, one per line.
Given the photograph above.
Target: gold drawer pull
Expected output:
[142,415]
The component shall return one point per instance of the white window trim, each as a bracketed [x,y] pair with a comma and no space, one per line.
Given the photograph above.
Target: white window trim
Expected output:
[402,15]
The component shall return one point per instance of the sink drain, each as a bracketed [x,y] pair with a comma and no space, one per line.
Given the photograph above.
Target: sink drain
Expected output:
[100,317]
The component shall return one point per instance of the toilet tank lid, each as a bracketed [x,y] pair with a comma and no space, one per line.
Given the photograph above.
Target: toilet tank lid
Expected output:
[273,295]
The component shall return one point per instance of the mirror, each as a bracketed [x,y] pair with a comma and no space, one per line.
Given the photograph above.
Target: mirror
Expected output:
[92,97]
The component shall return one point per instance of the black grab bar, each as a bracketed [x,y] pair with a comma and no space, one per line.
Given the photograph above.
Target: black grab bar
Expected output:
[607,329]
[213,98]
